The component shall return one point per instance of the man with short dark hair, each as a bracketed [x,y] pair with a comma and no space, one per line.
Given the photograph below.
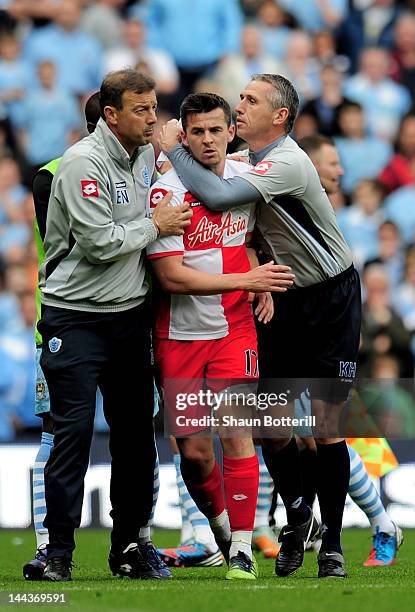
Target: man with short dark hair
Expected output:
[315,334]
[206,332]
[323,153]
[95,324]
[41,188]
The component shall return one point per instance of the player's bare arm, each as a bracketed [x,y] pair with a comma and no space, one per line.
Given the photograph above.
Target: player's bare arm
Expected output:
[174,277]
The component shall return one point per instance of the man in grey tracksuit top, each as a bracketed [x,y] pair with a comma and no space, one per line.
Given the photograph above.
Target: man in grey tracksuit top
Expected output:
[313,340]
[94,322]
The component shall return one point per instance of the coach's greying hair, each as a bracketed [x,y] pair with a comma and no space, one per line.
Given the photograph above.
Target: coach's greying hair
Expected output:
[284,96]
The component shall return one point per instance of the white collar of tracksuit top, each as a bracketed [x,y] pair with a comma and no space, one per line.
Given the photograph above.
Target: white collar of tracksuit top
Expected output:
[114,147]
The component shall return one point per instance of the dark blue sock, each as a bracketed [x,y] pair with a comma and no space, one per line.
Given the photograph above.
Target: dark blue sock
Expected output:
[284,467]
[333,474]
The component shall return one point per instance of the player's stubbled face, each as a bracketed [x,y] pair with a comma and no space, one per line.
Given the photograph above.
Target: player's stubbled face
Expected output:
[254,112]
[207,136]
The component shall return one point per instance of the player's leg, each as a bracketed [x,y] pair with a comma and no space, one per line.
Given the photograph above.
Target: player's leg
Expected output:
[197,543]
[241,478]
[233,365]
[126,384]
[334,308]
[280,362]
[263,537]
[203,478]
[72,354]
[145,533]
[387,536]
[33,570]
[307,447]
[333,474]
[201,474]
[187,534]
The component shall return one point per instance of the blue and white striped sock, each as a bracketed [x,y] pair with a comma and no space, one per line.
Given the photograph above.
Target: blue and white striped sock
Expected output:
[38,489]
[363,492]
[186,534]
[145,532]
[265,490]
[195,526]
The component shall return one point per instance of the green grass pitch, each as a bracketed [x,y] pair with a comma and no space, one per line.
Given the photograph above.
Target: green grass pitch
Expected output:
[205,590]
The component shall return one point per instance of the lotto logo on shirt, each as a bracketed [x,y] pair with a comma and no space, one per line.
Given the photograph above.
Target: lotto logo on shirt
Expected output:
[157,194]
[89,188]
[262,167]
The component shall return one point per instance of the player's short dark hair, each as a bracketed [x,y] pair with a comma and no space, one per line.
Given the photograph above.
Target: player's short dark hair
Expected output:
[203,103]
[313,143]
[285,96]
[92,111]
[116,83]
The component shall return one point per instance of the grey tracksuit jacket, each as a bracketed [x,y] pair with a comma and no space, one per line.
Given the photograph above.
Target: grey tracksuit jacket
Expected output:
[96,229]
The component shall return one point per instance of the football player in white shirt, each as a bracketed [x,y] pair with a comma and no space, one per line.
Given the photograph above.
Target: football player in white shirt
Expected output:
[205,330]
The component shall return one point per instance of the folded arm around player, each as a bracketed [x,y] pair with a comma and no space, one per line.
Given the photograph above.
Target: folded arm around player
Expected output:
[217,193]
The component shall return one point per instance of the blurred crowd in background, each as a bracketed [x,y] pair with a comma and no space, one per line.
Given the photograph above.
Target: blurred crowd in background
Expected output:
[353,64]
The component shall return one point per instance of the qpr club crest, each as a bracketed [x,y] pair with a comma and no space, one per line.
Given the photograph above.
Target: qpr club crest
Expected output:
[55,344]
[146,176]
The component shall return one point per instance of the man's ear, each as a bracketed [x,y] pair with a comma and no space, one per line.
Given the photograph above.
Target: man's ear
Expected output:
[280,116]
[184,138]
[111,115]
[231,132]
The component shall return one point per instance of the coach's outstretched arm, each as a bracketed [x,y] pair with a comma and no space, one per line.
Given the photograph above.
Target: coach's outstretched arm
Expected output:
[215,192]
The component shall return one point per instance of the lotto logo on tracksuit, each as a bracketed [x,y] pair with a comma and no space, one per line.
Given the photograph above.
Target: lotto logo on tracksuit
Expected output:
[89,188]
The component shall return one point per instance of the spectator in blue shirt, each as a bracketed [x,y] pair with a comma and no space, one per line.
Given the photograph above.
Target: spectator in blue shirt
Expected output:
[400,208]
[360,222]
[14,75]
[236,69]
[7,384]
[368,23]
[10,323]
[324,107]
[301,67]
[13,228]
[9,306]
[361,156]
[77,55]
[50,119]
[196,33]
[384,101]
[271,23]
[315,15]
[390,253]
[25,417]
